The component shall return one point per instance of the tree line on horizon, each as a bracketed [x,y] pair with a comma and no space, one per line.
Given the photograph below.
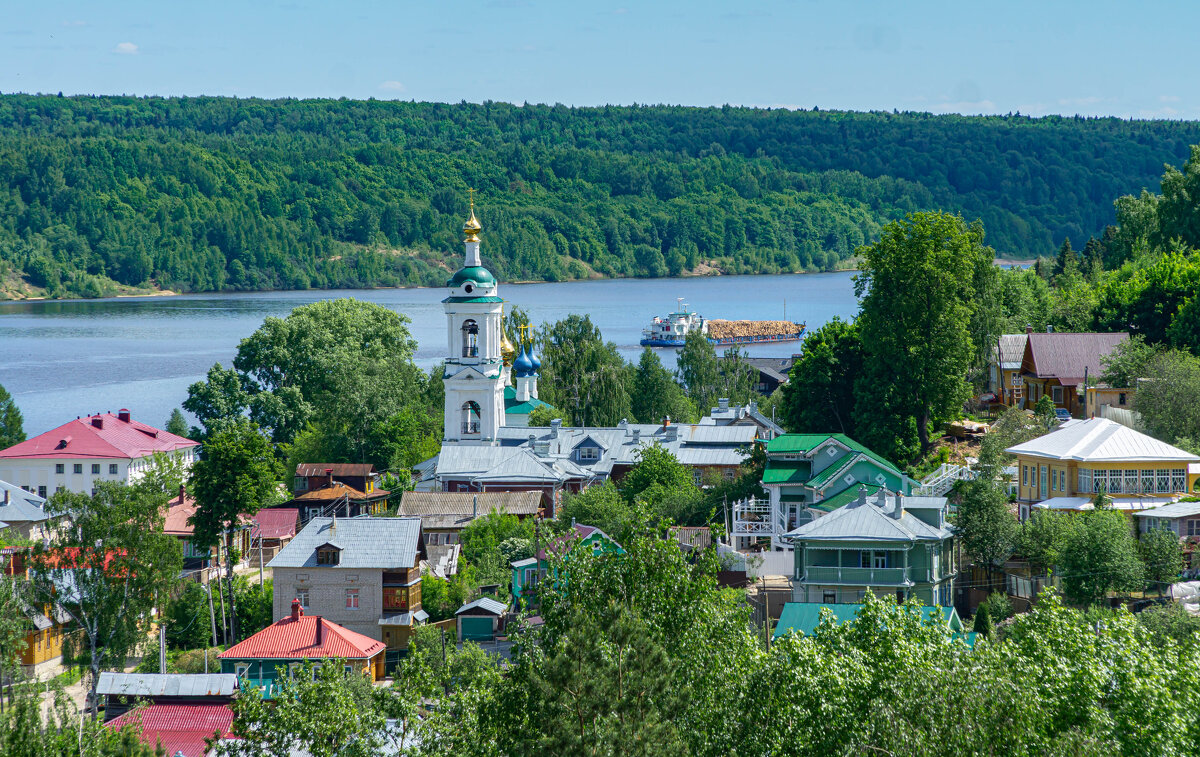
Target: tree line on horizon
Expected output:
[221,194]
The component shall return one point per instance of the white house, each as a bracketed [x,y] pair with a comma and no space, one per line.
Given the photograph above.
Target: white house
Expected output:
[77,454]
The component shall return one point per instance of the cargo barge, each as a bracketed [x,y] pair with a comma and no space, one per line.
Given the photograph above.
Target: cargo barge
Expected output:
[672,330]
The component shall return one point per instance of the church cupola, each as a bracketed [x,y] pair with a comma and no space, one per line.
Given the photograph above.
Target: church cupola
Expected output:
[525,369]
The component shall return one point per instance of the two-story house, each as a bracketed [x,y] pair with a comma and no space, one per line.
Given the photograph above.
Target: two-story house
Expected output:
[345,490]
[528,573]
[22,514]
[1004,369]
[77,454]
[807,476]
[883,543]
[1059,364]
[362,573]
[1066,468]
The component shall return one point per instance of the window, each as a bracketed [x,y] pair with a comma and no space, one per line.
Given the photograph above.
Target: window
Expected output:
[60,489]
[879,560]
[829,597]
[1044,480]
[302,595]
[1162,481]
[77,468]
[241,669]
[95,468]
[1054,479]
[589,453]
[112,469]
[1056,394]
[470,338]
[1121,399]
[42,492]
[1193,527]
[470,417]
[1114,482]
[1131,481]
[1024,475]
[60,468]
[348,669]
[328,556]
[351,599]
[1085,481]
[1147,482]
[1179,480]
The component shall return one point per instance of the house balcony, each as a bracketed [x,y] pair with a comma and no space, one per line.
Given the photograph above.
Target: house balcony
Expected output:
[857,576]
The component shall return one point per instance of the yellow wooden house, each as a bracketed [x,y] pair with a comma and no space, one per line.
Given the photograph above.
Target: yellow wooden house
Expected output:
[1066,468]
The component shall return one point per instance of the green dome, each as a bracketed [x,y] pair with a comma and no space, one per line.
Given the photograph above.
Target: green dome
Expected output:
[476,273]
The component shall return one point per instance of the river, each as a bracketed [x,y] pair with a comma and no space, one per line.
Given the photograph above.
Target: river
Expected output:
[65,358]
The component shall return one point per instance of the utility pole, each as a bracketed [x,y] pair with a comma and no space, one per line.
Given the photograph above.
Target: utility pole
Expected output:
[260,561]
[162,648]
[212,617]
[224,620]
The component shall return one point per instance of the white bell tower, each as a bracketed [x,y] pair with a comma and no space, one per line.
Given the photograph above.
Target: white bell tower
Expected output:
[475,371]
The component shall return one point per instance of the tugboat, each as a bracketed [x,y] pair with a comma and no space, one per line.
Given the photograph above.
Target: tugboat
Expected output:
[672,330]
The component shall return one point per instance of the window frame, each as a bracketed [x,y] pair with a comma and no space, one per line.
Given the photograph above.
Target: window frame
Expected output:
[114,469]
[352,599]
[60,469]
[95,469]
[77,468]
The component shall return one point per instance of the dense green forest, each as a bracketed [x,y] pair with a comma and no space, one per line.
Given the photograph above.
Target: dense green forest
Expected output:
[201,194]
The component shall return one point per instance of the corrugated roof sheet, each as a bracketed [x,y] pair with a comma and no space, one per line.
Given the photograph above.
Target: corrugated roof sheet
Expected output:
[489,604]
[1067,356]
[786,471]
[167,684]
[275,523]
[467,503]
[339,469]
[1175,510]
[869,518]
[1012,351]
[366,543]
[22,507]
[309,636]
[1101,440]
[337,490]
[116,439]
[182,728]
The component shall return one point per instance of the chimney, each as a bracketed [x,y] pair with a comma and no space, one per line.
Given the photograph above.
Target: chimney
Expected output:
[320,624]
[333,527]
[329,476]
[182,493]
[898,513]
[7,496]
[666,422]
[862,495]
[1049,328]
[123,415]
[97,421]
[555,425]
[297,610]
[637,435]
[1028,329]
[723,403]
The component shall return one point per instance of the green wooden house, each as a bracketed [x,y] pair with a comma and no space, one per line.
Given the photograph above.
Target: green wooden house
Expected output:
[527,573]
[881,542]
[807,476]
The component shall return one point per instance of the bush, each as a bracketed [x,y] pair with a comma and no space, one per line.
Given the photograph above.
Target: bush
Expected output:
[998,605]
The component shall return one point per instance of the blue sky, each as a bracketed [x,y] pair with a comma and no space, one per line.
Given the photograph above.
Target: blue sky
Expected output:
[1096,58]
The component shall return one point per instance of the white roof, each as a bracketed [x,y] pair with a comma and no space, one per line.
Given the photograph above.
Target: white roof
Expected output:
[1101,440]
[871,518]
[1118,503]
[1174,510]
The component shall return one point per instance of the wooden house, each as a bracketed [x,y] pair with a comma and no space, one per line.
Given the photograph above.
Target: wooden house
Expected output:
[284,646]
[481,620]
[1057,364]
[528,573]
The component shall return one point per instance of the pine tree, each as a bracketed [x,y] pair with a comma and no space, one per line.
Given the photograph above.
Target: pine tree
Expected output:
[12,430]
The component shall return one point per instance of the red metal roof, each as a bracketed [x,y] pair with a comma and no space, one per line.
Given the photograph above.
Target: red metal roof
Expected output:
[1067,356]
[113,438]
[179,510]
[309,636]
[180,727]
[275,523]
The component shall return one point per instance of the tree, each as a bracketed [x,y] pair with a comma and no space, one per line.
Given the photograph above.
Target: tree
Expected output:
[14,625]
[30,727]
[819,395]
[186,617]
[1127,362]
[987,527]
[12,430]
[699,371]
[983,623]
[177,424]
[542,415]
[236,476]
[656,466]
[918,288]
[583,374]
[1044,537]
[1100,555]
[109,567]
[1163,556]
[654,395]
[1166,399]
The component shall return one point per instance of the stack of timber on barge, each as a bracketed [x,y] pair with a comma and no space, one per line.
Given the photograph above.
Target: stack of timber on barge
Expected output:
[672,330]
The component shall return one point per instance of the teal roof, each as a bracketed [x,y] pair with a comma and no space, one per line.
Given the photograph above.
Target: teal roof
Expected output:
[836,467]
[843,498]
[786,471]
[475,273]
[474,299]
[520,408]
[803,617]
[794,443]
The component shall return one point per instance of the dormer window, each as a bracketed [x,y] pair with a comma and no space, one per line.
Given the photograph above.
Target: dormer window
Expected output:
[589,454]
[329,555]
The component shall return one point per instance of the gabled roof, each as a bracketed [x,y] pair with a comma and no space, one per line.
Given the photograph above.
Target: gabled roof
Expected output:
[806,443]
[275,523]
[1101,440]
[787,472]
[339,469]
[804,617]
[463,506]
[305,637]
[182,728]
[366,542]
[1012,350]
[1068,356]
[337,490]
[22,507]
[495,607]
[114,438]
[870,518]
[588,441]
[1174,510]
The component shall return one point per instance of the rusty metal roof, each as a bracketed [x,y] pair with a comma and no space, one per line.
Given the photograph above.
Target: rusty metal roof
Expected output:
[339,469]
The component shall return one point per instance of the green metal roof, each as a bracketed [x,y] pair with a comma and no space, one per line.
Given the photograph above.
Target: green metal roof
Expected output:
[834,468]
[786,472]
[475,273]
[794,443]
[841,499]
[803,617]
[474,299]
[524,408]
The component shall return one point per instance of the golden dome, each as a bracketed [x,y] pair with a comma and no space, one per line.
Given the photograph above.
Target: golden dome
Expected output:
[507,350]
[471,227]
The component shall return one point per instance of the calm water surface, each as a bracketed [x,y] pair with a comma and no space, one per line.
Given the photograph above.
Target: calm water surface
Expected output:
[67,358]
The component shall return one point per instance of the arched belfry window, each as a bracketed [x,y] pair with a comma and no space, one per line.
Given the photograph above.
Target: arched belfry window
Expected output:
[470,418]
[470,338]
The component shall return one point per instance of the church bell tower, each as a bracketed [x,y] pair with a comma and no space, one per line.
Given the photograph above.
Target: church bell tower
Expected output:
[475,372]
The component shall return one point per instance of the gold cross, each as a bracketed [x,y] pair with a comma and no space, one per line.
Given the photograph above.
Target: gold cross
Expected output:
[471,195]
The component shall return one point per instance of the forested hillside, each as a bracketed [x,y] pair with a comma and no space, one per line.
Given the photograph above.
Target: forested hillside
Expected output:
[204,194]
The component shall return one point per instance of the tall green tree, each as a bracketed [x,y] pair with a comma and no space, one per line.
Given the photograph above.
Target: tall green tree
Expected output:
[1166,400]
[1163,556]
[176,424]
[819,395]
[699,371]
[655,395]
[1100,556]
[1127,362]
[12,429]
[918,292]
[109,567]
[582,374]
[236,476]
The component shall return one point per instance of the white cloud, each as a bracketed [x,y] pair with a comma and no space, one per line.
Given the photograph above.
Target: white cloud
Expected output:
[126,48]
[392,86]
[1168,98]
[966,108]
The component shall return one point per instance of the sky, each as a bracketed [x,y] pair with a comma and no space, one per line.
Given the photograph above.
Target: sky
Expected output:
[1091,58]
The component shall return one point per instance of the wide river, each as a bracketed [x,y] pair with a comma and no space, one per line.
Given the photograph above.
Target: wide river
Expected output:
[66,358]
